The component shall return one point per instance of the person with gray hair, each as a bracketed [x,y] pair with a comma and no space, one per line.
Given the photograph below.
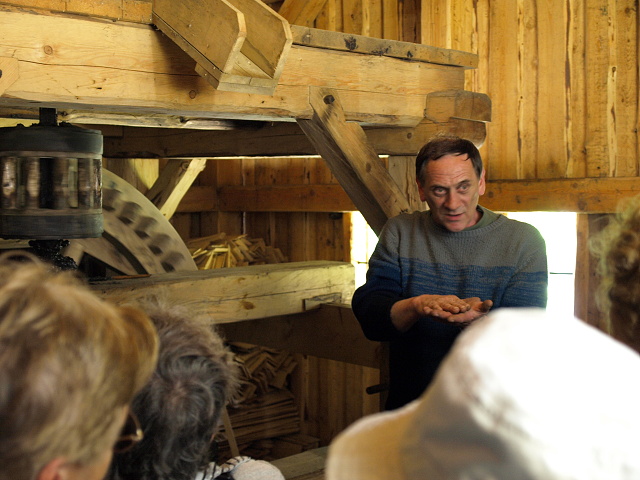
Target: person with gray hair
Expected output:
[180,407]
[70,364]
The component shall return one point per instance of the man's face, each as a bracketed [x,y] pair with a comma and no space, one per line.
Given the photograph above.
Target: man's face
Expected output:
[451,189]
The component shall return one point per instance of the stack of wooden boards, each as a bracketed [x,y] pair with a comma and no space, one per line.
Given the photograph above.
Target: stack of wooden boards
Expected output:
[264,416]
[222,251]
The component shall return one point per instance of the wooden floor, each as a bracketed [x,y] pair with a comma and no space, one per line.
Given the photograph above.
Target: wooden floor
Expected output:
[307,465]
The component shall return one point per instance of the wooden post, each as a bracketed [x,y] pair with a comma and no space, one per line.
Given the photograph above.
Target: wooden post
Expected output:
[586,278]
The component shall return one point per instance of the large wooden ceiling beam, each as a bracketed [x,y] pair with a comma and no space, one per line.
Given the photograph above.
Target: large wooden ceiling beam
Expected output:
[345,148]
[100,66]
[267,139]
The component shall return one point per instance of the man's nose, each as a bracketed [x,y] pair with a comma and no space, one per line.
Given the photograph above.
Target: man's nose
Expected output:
[452,201]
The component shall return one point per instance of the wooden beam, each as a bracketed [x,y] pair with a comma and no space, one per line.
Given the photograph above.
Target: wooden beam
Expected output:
[586,277]
[284,198]
[134,70]
[586,195]
[352,160]
[174,181]
[270,139]
[330,331]
[241,293]
[128,10]
[301,12]
[317,38]
[580,195]
[199,198]
[441,106]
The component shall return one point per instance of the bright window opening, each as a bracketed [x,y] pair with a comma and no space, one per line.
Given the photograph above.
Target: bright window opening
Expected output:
[559,232]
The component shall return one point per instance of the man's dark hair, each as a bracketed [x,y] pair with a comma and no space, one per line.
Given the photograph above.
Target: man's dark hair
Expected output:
[447,145]
[180,407]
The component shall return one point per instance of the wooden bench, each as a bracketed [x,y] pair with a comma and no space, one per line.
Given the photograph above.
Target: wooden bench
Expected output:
[307,465]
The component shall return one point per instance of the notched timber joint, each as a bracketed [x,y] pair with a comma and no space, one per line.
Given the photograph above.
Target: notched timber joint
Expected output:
[317,301]
[459,104]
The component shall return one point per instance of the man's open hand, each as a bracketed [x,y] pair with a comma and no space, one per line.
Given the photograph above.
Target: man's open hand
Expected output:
[477,309]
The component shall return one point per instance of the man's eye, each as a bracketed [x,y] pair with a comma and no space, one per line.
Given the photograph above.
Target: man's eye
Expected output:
[439,191]
[464,188]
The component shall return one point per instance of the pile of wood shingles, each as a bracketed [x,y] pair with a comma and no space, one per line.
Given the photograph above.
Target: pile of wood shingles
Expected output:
[264,417]
[263,413]
[222,251]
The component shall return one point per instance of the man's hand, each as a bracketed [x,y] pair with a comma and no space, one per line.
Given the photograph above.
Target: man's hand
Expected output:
[441,306]
[477,308]
[445,308]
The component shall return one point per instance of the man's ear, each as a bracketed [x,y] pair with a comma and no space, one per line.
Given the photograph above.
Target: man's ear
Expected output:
[482,185]
[423,198]
[52,470]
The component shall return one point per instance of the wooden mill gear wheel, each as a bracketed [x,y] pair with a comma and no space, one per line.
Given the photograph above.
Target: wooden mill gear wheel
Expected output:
[137,238]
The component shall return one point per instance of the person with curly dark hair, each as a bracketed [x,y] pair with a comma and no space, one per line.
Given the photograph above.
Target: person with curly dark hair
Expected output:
[180,408]
[617,248]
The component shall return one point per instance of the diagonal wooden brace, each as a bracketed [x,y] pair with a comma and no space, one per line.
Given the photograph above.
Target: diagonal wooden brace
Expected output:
[352,159]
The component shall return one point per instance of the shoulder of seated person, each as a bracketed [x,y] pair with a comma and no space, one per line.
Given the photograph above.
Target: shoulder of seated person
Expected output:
[256,470]
[245,468]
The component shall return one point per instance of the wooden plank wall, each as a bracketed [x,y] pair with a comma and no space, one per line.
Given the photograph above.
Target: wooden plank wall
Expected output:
[562,77]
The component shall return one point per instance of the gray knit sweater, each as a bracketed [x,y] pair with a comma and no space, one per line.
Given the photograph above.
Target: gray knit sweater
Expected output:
[498,259]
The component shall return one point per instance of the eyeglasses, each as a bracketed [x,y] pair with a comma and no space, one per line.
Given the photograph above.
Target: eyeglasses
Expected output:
[130,435]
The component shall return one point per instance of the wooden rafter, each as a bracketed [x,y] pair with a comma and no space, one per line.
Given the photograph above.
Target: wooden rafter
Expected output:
[301,12]
[174,181]
[356,165]
[134,70]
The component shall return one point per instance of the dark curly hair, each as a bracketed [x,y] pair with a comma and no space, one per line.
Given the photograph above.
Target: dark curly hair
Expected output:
[617,248]
[180,407]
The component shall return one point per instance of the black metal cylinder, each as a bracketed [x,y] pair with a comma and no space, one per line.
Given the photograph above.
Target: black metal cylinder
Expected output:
[51,182]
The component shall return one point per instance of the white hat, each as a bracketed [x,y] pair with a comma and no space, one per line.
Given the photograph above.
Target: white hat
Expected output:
[523,394]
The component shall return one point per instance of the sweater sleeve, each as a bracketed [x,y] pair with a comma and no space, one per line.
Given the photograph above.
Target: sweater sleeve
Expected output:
[528,286]
[372,302]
